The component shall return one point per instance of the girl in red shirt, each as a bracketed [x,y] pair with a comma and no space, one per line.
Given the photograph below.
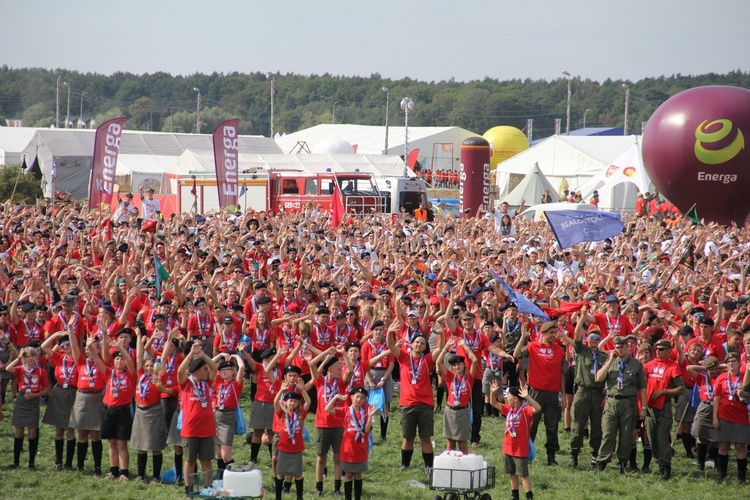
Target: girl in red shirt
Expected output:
[357,419]
[116,424]
[730,417]
[227,392]
[62,397]
[518,412]
[149,428]
[291,443]
[459,380]
[32,383]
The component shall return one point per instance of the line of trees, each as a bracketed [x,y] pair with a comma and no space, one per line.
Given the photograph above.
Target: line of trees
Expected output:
[163,102]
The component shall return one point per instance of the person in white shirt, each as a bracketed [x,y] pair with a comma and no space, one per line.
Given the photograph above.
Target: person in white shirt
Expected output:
[124,210]
[150,205]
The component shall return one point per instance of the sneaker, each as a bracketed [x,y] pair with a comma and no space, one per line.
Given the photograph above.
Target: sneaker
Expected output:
[285,491]
[475,444]
[59,467]
[123,479]
[337,493]
[319,493]
[428,471]
[32,467]
[403,468]
[97,471]
[710,464]
[110,476]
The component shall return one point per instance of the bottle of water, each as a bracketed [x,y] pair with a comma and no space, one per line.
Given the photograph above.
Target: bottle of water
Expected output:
[157,365]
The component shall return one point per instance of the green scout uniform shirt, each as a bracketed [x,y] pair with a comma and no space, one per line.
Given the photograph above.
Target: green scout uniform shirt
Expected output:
[585,365]
[633,379]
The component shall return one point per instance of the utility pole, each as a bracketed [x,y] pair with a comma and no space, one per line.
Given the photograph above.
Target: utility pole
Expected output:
[67,115]
[567,107]
[273,78]
[198,111]
[387,105]
[57,104]
[627,98]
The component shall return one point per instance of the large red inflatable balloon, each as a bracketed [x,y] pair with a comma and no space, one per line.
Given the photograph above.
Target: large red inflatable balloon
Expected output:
[695,153]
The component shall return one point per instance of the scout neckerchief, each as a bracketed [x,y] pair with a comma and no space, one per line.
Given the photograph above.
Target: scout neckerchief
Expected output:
[260,338]
[512,328]
[28,376]
[203,328]
[416,369]
[732,386]
[143,385]
[340,339]
[496,363]
[359,420]
[322,335]
[65,320]
[67,370]
[117,382]
[224,393]
[158,342]
[621,372]
[91,370]
[410,334]
[709,387]
[595,360]
[199,389]
[169,368]
[32,331]
[459,386]
[355,370]
[330,389]
[288,334]
[292,425]
[471,344]
[512,420]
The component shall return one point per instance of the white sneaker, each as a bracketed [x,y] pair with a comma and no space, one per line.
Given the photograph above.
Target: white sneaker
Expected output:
[710,463]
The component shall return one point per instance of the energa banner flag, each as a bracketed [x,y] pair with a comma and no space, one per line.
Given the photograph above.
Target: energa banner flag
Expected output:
[104,164]
[576,226]
[226,159]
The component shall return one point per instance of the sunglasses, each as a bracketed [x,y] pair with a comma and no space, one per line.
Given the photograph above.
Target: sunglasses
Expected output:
[594,337]
[421,306]
[350,314]
[65,344]
[4,314]
[662,349]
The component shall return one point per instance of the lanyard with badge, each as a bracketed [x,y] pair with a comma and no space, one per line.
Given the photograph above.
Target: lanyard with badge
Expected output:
[117,382]
[358,419]
[511,421]
[143,386]
[199,389]
[732,387]
[292,425]
[67,370]
[416,369]
[91,372]
[29,378]
[458,389]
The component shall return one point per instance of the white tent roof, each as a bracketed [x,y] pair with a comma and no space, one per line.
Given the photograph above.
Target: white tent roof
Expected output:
[530,189]
[378,165]
[628,167]
[13,140]
[371,140]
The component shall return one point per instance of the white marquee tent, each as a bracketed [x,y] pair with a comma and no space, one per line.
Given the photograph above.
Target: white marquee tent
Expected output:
[439,147]
[530,189]
[567,161]
[13,140]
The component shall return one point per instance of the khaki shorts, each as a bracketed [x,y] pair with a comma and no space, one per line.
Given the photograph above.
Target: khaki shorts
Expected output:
[326,439]
[202,448]
[415,417]
[517,466]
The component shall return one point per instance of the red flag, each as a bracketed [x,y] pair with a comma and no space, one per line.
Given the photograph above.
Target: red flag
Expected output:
[104,162]
[411,160]
[226,152]
[337,207]
[565,308]
[107,225]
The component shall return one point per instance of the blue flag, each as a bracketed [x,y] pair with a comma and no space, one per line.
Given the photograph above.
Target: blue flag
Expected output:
[575,226]
[524,305]
[695,396]
[242,189]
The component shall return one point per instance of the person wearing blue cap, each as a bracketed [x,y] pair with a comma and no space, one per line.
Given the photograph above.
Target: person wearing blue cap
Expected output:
[611,323]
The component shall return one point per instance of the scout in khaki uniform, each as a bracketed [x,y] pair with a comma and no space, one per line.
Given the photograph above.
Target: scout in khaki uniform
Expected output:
[664,382]
[624,380]
[589,395]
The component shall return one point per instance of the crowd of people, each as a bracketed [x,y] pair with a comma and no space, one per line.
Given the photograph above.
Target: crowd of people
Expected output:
[149,338]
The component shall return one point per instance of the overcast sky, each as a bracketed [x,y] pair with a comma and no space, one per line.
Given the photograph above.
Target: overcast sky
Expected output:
[425,40]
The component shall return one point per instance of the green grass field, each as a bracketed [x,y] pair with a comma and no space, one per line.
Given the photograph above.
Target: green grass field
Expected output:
[383,481]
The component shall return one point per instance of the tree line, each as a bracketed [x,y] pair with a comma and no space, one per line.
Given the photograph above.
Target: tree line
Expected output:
[167,103]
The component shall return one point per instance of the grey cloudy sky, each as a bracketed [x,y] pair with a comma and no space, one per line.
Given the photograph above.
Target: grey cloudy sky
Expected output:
[424,40]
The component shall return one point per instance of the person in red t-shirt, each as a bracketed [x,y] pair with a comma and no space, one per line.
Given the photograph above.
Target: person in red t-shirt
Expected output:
[704,375]
[357,419]
[62,397]
[116,424]
[730,417]
[416,399]
[149,428]
[195,375]
[546,364]
[379,362]
[518,412]
[227,392]
[291,442]
[32,383]
[458,380]
[663,382]
[711,344]
[611,323]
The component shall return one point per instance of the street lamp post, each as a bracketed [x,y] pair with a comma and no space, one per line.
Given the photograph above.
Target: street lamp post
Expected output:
[333,116]
[198,111]
[387,105]
[627,99]
[407,104]
[67,116]
[567,107]
[80,113]
[273,79]
[584,117]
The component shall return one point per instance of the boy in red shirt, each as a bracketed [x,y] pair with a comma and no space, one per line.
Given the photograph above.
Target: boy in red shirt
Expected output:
[518,413]
[357,420]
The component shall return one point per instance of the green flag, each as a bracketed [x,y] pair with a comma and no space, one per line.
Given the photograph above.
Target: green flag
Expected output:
[161,275]
[692,214]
